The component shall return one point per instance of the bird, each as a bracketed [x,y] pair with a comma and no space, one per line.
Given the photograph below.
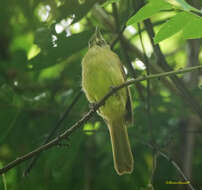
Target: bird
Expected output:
[101,71]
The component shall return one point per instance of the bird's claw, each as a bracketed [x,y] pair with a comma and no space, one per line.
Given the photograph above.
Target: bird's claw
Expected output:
[93,105]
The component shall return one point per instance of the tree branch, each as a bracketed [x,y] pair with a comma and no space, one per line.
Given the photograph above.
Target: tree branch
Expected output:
[53,131]
[88,115]
[161,61]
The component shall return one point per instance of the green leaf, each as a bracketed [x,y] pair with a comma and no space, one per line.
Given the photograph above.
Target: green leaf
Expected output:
[193,29]
[148,10]
[188,23]
[66,46]
[89,128]
[183,4]
[174,25]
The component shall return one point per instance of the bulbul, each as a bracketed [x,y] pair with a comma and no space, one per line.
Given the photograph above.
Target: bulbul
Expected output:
[101,70]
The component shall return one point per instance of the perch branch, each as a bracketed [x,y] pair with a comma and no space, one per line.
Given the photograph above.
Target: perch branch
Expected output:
[88,115]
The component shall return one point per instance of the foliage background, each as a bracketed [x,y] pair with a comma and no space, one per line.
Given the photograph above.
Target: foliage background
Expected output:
[41,47]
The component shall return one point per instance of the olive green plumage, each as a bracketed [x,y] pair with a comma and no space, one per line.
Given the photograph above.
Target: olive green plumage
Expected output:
[101,70]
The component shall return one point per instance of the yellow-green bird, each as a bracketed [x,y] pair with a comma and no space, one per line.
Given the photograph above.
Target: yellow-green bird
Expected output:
[101,70]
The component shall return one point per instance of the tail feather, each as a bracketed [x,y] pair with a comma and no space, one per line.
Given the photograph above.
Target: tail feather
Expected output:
[122,155]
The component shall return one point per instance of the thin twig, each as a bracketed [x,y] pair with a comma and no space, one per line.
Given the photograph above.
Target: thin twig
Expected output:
[146,61]
[161,61]
[117,38]
[124,49]
[88,115]
[53,131]
[159,152]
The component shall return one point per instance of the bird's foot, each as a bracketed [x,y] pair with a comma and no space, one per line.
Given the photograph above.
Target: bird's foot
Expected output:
[93,105]
[112,88]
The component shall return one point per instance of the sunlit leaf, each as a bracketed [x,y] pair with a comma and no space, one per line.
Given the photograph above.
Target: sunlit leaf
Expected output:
[89,128]
[174,25]
[148,10]
[183,5]
[189,24]
[193,29]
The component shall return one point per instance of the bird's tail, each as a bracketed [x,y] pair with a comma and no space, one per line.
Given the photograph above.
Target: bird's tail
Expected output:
[122,155]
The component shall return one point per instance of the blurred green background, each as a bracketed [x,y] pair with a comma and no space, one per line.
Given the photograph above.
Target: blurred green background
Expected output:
[41,47]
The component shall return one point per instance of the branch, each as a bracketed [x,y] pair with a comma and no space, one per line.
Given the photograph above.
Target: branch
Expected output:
[161,61]
[175,84]
[53,131]
[176,166]
[124,49]
[88,115]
